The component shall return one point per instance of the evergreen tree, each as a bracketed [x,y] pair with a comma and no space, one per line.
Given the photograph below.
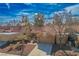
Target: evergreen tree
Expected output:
[39,20]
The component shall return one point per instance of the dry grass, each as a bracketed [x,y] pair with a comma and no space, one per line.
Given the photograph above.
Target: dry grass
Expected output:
[8,37]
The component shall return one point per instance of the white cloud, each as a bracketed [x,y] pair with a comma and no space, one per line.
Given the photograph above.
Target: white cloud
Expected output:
[36,13]
[27,3]
[22,13]
[25,12]
[8,6]
[74,9]
[52,4]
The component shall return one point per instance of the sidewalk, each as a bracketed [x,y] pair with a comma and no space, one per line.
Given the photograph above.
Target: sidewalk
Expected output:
[5,54]
[41,50]
[37,52]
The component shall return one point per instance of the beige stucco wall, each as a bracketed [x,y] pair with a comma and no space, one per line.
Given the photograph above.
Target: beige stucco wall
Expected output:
[37,52]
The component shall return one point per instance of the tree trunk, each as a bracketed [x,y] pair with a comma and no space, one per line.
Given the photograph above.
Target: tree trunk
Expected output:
[52,49]
[22,47]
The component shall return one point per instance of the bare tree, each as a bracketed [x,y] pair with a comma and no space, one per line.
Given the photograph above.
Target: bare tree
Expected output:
[25,34]
[59,25]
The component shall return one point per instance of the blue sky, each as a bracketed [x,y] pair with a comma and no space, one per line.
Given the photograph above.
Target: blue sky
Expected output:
[10,11]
